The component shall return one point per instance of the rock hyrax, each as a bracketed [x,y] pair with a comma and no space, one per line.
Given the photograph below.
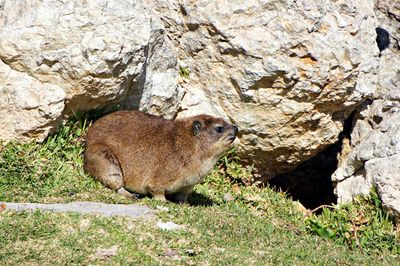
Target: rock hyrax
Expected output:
[134,152]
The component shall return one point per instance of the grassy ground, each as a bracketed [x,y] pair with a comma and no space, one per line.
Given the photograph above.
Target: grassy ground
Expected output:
[251,226]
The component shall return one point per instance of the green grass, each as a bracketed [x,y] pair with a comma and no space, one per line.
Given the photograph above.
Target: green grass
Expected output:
[184,71]
[50,172]
[259,226]
[361,224]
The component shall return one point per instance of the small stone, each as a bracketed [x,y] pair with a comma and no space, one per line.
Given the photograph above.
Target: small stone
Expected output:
[219,250]
[169,226]
[84,224]
[162,208]
[190,252]
[228,197]
[170,253]
[103,253]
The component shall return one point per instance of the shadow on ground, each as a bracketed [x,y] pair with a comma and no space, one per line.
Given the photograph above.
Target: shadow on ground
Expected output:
[194,199]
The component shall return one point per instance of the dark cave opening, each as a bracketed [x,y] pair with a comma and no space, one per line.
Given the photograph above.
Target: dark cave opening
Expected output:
[310,183]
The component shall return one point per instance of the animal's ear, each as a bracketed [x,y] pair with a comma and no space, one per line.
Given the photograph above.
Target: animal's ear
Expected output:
[196,128]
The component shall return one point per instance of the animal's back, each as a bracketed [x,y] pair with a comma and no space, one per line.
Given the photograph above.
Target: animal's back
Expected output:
[123,125]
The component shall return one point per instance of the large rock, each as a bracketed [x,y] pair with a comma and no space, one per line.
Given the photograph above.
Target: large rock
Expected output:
[287,73]
[373,154]
[78,56]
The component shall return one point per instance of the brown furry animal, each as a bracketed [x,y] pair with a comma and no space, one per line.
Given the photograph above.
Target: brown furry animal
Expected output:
[133,152]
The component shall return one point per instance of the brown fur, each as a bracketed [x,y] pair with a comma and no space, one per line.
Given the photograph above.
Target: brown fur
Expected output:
[130,151]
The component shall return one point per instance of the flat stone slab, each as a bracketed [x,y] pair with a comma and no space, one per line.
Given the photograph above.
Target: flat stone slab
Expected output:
[86,207]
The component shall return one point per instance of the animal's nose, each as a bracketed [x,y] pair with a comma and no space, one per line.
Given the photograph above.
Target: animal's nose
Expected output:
[236,129]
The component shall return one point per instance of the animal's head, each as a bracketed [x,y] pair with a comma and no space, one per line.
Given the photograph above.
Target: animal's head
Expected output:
[213,134]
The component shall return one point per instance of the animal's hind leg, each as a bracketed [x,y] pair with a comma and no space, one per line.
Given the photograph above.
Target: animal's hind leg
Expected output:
[102,164]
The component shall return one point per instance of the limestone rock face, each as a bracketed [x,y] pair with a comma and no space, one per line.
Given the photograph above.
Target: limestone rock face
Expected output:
[374,157]
[75,56]
[28,108]
[286,72]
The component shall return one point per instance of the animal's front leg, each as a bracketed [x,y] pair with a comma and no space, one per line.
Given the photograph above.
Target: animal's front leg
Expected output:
[156,190]
[159,196]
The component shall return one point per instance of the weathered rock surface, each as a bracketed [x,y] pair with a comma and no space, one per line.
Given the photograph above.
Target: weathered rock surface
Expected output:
[86,207]
[28,108]
[81,55]
[373,154]
[286,72]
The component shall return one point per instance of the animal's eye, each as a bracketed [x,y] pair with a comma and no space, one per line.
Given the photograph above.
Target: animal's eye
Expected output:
[219,129]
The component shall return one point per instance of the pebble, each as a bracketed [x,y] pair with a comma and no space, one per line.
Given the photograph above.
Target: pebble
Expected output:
[169,226]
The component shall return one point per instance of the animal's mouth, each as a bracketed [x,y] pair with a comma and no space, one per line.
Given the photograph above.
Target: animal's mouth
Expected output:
[231,138]
[232,135]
